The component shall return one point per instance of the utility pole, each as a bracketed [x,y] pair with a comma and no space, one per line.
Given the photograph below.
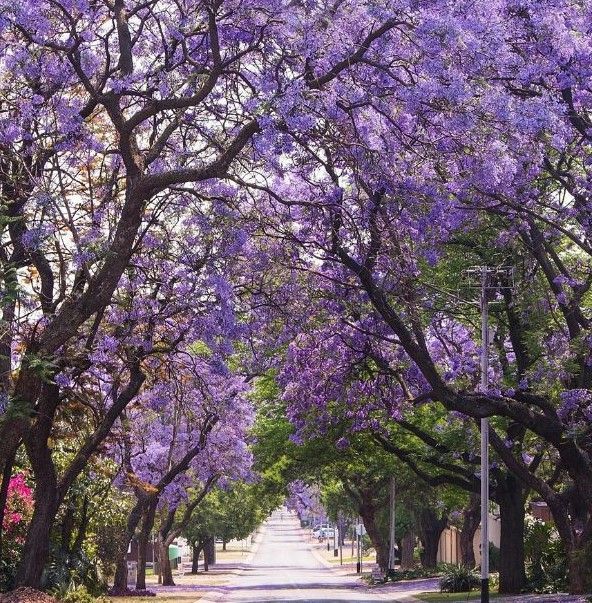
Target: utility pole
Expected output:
[489,280]
[392,543]
[484,440]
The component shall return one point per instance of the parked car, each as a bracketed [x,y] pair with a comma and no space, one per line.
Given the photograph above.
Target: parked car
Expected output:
[318,528]
[326,533]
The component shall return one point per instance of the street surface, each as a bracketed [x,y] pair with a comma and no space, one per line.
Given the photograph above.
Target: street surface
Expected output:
[284,568]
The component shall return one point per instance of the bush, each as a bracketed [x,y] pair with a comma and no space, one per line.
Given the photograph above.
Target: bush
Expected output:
[74,593]
[8,568]
[494,557]
[66,569]
[459,579]
[546,561]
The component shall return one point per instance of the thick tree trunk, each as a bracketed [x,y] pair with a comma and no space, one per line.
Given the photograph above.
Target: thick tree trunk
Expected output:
[224,545]
[120,581]
[6,475]
[167,572]
[471,520]
[430,529]
[579,574]
[48,495]
[143,541]
[367,511]
[164,562]
[408,547]
[210,551]
[36,549]
[512,575]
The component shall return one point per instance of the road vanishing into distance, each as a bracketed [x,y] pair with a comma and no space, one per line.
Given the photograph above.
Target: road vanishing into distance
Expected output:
[284,568]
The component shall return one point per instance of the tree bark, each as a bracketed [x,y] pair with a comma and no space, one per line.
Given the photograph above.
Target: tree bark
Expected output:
[512,575]
[430,528]
[367,510]
[47,492]
[120,581]
[580,580]
[167,570]
[143,541]
[164,561]
[408,547]
[6,475]
[210,551]
[471,520]
[196,550]
[36,549]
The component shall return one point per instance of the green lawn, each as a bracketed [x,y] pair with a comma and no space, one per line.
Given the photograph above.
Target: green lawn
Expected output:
[474,595]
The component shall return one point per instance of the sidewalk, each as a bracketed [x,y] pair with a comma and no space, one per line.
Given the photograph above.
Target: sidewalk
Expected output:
[408,590]
[190,588]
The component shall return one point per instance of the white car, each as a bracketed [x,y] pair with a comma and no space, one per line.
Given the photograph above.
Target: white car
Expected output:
[326,533]
[318,529]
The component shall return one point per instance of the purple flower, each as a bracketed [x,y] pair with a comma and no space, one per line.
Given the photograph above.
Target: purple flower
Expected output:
[342,443]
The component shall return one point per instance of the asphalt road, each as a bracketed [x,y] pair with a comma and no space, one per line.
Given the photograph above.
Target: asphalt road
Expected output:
[285,569]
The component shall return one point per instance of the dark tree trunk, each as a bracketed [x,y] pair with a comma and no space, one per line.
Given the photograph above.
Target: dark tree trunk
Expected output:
[164,563]
[407,549]
[471,520]
[67,528]
[196,550]
[430,528]
[224,545]
[167,571]
[143,541]
[579,574]
[48,495]
[367,510]
[36,549]
[120,581]
[210,551]
[511,499]
[6,475]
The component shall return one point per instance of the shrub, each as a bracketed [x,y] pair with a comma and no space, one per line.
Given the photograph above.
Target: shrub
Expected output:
[546,561]
[8,567]
[73,593]
[17,514]
[494,557]
[458,579]
[66,569]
